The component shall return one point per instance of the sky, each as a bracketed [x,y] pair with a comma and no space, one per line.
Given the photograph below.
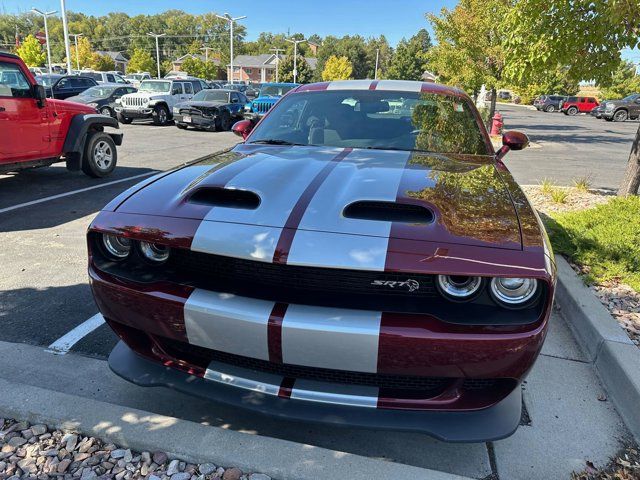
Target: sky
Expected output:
[393,18]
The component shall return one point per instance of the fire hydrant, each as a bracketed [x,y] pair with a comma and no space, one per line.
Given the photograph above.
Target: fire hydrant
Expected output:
[497,124]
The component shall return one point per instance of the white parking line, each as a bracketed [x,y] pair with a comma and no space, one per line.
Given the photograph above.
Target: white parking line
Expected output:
[64,343]
[74,192]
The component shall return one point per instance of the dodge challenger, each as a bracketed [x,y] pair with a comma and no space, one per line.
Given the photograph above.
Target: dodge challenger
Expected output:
[363,258]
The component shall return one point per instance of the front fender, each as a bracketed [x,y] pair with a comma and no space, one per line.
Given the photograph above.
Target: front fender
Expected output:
[79,127]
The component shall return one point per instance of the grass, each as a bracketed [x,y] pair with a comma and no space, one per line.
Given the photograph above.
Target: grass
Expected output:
[604,240]
[559,195]
[582,184]
[547,186]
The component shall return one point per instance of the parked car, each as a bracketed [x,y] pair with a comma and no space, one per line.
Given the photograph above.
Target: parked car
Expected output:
[103,97]
[270,93]
[104,77]
[627,108]
[210,110]
[239,87]
[65,86]
[38,132]
[136,78]
[549,103]
[343,265]
[252,91]
[575,105]
[155,100]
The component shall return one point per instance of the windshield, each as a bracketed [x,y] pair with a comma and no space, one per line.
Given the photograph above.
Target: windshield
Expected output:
[155,86]
[134,76]
[275,90]
[47,81]
[374,119]
[211,96]
[630,98]
[98,91]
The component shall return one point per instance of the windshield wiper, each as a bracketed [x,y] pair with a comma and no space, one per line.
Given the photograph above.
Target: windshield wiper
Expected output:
[275,141]
[397,149]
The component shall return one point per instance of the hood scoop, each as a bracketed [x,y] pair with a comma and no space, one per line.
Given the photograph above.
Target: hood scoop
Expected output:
[225,197]
[388,212]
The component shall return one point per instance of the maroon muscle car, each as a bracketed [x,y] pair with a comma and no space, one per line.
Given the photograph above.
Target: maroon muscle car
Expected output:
[364,257]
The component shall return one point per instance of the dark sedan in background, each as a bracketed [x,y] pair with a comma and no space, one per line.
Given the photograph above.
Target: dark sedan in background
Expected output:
[549,103]
[103,97]
[65,86]
[210,110]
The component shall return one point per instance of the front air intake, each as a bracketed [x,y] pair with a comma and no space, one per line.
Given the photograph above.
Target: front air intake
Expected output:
[388,212]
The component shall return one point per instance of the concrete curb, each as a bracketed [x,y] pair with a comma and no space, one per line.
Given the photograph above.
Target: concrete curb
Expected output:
[194,442]
[607,346]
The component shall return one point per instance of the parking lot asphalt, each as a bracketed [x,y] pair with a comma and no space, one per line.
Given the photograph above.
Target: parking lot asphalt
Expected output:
[44,295]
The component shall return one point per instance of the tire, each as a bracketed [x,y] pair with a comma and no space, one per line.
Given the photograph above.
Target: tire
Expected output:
[550,109]
[225,121]
[160,115]
[181,126]
[572,111]
[620,116]
[123,119]
[100,155]
[608,119]
[106,111]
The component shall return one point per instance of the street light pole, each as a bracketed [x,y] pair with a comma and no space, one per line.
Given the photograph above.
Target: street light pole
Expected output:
[46,33]
[75,42]
[67,48]
[277,52]
[230,19]
[295,57]
[375,75]
[157,36]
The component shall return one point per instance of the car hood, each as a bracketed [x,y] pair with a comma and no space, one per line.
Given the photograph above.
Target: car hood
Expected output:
[201,104]
[268,98]
[370,193]
[70,106]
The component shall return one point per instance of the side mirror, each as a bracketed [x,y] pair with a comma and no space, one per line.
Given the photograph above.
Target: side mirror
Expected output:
[242,128]
[512,140]
[40,95]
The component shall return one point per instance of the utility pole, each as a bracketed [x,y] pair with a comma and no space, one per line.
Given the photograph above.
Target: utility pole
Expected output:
[46,33]
[65,29]
[75,42]
[375,75]
[206,58]
[157,36]
[230,19]
[295,56]
[277,52]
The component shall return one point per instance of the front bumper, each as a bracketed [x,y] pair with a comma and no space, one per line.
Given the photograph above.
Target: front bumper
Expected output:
[253,116]
[238,389]
[135,113]
[608,114]
[195,121]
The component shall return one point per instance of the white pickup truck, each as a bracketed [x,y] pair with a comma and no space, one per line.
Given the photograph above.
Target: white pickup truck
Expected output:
[155,99]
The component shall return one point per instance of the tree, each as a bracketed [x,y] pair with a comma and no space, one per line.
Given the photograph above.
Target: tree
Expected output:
[557,81]
[83,55]
[337,69]
[141,61]
[199,68]
[102,63]
[469,51]
[586,36]
[623,82]
[410,58]
[31,52]
[285,70]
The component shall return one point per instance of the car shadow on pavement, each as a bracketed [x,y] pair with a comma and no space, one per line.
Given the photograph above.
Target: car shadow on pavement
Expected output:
[20,189]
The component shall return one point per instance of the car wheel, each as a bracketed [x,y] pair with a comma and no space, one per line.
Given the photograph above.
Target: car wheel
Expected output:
[160,115]
[181,126]
[550,109]
[225,121]
[100,155]
[572,111]
[620,116]
[106,111]
[123,119]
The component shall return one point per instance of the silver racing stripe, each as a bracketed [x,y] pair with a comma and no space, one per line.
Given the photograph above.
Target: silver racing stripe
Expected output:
[228,323]
[334,338]
[250,242]
[400,85]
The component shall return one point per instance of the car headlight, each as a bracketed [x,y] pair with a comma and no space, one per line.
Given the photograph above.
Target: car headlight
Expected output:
[609,106]
[118,248]
[118,101]
[513,292]
[176,110]
[459,287]
[247,107]
[92,105]
[154,252]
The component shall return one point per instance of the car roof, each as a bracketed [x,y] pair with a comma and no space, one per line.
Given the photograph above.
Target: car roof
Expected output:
[389,85]
[8,55]
[280,84]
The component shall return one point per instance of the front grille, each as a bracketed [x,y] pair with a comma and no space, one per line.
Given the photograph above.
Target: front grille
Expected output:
[133,101]
[203,111]
[262,107]
[185,351]
[306,285]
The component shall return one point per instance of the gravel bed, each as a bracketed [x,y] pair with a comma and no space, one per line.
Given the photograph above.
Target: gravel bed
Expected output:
[621,300]
[37,453]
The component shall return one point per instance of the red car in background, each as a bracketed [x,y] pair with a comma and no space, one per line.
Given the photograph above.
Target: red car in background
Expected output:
[363,258]
[574,105]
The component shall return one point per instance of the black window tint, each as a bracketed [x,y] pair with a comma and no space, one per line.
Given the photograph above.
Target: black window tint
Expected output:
[188,88]
[13,83]
[110,78]
[196,87]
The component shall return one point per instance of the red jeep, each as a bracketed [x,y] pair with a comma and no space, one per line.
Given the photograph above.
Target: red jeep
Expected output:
[36,131]
[575,105]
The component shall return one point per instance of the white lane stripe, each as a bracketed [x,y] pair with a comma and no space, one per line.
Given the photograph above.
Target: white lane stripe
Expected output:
[64,343]
[334,338]
[74,192]
[228,323]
